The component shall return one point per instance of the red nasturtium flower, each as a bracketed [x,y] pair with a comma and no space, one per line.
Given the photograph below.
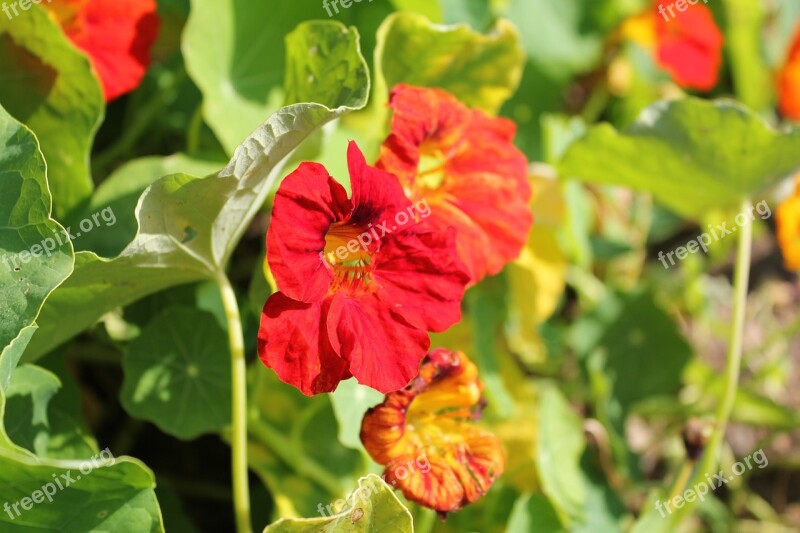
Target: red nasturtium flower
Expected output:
[787,221]
[463,163]
[115,34]
[687,44]
[789,82]
[360,285]
[433,417]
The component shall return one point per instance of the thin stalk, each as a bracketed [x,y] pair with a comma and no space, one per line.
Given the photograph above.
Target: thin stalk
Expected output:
[241,488]
[733,364]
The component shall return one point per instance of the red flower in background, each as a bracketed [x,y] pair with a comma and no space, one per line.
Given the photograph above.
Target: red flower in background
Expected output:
[789,82]
[433,418]
[360,284]
[464,164]
[688,45]
[115,34]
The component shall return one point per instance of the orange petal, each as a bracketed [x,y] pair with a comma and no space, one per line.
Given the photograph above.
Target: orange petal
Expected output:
[789,82]
[463,167]
[426,438]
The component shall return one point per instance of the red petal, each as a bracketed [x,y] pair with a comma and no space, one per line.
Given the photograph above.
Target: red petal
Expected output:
[115,34]
[307,203]
[377,195]
[789,82]
[421,278]
[293,341]
[690,47]
[384,351]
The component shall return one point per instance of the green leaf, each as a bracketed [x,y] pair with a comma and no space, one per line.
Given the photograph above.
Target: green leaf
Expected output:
[693,155]
[177,374]
[481,70]
[351,400]
[40,425]
[109,494]
[373,507]
[321,66]
[188,226]
[120,193]
[48,84]
[28,274]
[644,352]
[234,53]
[560,446]
[533,512]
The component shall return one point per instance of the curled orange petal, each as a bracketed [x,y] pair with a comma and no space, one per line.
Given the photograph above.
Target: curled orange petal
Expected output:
[787,220]
[789,82]
[426,437]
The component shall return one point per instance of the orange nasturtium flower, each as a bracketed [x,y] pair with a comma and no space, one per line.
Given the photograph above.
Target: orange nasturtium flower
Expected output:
[434,418]
[787,220]
[464,164]
[361,281]
[115,34]
[687,44]
[789,82]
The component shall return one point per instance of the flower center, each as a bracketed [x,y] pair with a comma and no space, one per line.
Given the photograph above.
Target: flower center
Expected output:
[347,250]
[431,167]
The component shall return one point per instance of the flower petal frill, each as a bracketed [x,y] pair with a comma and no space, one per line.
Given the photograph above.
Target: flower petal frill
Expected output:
[433,419]
[358,290]
[464,165]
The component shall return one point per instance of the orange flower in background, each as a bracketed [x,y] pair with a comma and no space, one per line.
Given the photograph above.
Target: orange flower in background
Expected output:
[789,82]
[433,418]
[687,44]
[465,165]
[115,34]
[787,219]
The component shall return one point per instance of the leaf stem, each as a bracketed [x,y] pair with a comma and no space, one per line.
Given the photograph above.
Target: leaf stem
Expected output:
[733,364]
[241,488]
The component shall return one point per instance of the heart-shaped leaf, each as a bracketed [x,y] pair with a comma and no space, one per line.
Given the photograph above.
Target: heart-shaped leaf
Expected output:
[35,255]
[177,373]
[481,70]
[693,155]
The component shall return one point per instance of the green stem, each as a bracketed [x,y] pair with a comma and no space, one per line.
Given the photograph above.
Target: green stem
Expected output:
[241,488]
[733,365]
[289,453]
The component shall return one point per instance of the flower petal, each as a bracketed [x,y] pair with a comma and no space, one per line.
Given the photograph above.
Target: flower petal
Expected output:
[383,350]
[308,201]
[293,341]
[789,82]
[464,164]
[690,47]
[421,279]
[377,195]
[116,34]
